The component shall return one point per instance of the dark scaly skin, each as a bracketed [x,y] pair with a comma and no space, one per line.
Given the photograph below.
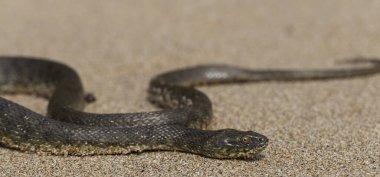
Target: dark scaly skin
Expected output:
[69,131]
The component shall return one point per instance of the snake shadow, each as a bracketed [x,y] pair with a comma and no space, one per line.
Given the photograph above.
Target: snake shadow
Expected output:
[258,157]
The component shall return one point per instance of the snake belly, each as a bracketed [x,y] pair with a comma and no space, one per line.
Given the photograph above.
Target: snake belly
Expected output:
[67,130]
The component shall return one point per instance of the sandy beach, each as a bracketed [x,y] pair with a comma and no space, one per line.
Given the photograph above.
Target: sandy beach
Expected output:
[317,128]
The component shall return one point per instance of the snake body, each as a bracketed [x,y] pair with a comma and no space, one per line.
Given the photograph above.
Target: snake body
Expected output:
[67,130]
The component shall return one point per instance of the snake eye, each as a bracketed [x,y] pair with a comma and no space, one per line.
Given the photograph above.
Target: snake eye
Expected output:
[245,139]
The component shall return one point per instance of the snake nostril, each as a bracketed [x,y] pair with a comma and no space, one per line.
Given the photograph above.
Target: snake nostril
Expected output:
[261,140]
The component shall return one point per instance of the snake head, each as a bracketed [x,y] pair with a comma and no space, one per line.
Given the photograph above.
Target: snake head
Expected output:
[229,143]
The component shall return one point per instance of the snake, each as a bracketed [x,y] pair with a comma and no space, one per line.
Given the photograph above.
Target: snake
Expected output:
[179,126]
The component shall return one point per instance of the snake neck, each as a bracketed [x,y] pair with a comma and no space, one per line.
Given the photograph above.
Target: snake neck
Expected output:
[169,137]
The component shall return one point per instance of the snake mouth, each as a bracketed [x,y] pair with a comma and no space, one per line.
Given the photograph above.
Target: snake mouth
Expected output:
[251,153]
[247,153]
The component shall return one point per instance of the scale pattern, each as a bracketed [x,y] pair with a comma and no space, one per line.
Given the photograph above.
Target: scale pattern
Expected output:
[67,130]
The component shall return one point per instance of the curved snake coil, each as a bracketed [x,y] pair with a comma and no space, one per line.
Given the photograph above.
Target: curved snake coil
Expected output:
[67,130]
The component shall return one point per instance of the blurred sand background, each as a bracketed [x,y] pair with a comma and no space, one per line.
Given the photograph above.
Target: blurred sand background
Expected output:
[315,128]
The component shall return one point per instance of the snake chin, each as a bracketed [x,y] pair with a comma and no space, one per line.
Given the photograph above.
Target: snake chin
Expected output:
[229,143]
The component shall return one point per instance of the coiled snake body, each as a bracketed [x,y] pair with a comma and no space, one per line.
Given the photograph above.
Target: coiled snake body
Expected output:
[66,130]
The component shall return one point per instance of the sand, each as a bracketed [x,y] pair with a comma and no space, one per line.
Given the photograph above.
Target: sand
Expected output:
[319,128]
